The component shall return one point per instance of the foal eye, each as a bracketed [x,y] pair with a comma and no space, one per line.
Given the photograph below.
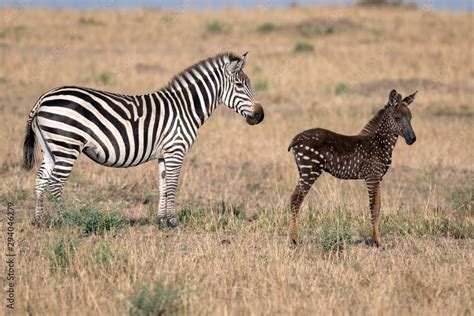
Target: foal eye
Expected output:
[239,84]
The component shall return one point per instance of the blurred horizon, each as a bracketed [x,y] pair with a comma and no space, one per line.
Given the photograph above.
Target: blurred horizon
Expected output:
[437,5]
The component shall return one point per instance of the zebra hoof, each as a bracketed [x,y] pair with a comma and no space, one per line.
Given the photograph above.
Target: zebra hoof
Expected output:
[37,221]
[161,222]
[174,223]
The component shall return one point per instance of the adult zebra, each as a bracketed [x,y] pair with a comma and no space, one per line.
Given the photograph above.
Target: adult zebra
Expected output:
[123,130]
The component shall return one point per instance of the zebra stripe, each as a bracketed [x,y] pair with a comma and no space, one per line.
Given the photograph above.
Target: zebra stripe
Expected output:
[120,130]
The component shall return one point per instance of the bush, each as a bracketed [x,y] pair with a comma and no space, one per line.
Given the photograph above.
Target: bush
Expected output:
[304,47]
[159,300]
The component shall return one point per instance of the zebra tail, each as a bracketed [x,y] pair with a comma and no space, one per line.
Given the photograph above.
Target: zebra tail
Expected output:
[30,139]
[29,148]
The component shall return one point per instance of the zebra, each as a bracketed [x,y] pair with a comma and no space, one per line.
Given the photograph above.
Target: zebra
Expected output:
[118,130]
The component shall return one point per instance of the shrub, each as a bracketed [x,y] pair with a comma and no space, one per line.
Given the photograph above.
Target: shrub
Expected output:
[266,27]
[214,27]
[304,47]
[329,29]
[159,300]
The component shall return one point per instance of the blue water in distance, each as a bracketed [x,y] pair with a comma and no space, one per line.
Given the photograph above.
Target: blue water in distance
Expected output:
[445,5]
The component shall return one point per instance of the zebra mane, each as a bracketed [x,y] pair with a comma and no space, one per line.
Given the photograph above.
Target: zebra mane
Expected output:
[219,58]
[374,122]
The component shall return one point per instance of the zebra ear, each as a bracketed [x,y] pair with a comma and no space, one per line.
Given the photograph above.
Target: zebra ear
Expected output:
[409,99]
[237,65]
[394,98]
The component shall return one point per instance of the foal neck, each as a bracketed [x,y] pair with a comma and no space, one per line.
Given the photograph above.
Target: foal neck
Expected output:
[383,137]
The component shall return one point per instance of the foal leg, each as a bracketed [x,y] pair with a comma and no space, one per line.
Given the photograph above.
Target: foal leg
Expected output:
[307,176]
[373,186]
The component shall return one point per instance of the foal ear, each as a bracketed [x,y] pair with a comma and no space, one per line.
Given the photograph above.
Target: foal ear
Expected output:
[409,99]
[394,98]
[237,65]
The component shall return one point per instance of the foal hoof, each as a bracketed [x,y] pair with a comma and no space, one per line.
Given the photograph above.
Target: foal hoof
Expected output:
[174,223]
[373,243]
[293,243]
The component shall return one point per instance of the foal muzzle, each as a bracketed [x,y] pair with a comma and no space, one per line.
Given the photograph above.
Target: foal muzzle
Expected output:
[257,114]
[410,139]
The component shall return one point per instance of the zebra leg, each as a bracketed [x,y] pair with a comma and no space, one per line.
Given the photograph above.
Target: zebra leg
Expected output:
[173,165]
[373,187]
[308,175]
[61,171]
[42,177]
[161,215]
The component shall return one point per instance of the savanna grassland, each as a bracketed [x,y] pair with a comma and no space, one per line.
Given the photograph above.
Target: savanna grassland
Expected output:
[330,67]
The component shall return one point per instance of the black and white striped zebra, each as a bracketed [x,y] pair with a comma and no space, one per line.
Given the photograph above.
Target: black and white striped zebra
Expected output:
[123,130]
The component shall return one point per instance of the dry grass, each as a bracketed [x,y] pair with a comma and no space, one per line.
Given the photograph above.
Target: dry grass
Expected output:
[232,256]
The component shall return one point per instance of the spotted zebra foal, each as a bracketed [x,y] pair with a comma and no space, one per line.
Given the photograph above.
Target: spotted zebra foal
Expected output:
[122,131]
[364,156]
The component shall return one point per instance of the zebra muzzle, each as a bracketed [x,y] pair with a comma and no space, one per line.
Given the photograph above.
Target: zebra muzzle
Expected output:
[257,114]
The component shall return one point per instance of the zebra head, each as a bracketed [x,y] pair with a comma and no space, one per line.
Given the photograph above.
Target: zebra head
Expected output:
[237,91]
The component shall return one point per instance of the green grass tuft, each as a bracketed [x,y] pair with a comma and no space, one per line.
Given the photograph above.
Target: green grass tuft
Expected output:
[159,300]
[336,235]
[261,85]
[462,199]
[215,27]
[89,220]
[102,254]
[266,27]
[341,88]
[301,47]
[62,252]
[105,78]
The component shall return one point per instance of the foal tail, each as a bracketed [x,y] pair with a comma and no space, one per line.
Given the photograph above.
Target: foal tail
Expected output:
[296,140]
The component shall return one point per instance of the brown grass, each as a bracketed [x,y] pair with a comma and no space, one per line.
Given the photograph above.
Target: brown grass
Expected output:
[232,256]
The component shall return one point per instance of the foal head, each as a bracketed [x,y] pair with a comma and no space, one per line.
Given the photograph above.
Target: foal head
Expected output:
[400,115]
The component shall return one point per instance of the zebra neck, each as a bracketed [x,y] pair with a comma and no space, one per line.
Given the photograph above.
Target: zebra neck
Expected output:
[198,97]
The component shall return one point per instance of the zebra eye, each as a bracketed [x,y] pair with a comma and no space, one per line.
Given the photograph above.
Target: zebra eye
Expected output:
[239,84]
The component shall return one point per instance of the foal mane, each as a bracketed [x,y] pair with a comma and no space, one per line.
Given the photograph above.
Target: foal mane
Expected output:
[374,122]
